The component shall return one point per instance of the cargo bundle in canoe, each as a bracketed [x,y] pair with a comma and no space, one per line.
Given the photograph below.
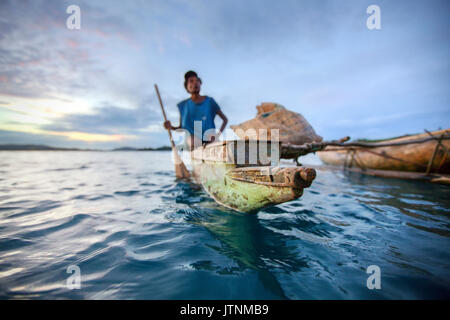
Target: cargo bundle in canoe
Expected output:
[421,156]
[292,127]
[240,174]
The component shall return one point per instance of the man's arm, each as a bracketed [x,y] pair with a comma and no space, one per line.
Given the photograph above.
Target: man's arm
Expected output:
[224,123]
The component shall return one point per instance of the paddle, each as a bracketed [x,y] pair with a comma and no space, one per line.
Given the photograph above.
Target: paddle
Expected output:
[180,169]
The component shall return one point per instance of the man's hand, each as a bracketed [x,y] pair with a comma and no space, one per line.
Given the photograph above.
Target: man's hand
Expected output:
[168,125]
[213,137]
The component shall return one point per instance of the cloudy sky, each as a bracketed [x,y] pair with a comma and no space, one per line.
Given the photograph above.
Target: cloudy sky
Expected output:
[93,87]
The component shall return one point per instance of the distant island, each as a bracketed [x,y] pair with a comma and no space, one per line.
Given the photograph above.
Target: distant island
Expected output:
[21,147]
[37,147]
[164,148]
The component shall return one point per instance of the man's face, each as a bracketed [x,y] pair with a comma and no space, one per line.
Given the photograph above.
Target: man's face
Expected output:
[194,84]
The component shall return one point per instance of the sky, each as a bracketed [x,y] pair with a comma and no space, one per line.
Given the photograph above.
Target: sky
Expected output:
[93,87]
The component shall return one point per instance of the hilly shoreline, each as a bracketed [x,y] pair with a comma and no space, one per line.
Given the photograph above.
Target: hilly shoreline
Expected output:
[37,147]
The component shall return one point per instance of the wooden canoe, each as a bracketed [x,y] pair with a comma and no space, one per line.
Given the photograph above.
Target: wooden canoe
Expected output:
[422,153]
[245,181]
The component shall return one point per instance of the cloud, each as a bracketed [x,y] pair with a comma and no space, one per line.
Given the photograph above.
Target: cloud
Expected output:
[108,119]
[73,141]
[317,58]
[41,58]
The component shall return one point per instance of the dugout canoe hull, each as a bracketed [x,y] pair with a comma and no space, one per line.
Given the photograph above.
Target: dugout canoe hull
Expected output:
[246,187]
[414,157]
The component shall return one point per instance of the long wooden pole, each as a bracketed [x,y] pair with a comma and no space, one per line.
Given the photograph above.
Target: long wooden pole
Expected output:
[300,150]
[181,171]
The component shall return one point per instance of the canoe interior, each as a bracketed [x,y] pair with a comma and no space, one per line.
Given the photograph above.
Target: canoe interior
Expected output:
[240,152]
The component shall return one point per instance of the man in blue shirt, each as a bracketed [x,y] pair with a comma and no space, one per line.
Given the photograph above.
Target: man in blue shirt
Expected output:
[197,114]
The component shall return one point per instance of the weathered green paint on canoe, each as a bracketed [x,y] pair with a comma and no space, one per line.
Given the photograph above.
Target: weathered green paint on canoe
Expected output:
[238,174]
[240,195]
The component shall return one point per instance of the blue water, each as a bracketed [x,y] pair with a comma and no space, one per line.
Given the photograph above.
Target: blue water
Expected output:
[137,233]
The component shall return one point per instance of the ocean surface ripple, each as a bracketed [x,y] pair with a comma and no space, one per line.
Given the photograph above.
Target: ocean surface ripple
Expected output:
[137,233]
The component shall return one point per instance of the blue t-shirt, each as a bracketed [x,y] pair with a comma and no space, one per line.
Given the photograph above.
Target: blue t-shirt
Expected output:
[204,112]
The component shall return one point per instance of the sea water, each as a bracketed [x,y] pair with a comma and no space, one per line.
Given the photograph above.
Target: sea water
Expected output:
[118,225]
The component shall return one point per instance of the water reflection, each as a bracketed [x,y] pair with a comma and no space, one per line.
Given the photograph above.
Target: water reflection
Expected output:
[244,240]
[421,201]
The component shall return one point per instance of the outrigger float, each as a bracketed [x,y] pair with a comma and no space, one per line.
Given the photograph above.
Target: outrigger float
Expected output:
[245,175]
[416,157]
